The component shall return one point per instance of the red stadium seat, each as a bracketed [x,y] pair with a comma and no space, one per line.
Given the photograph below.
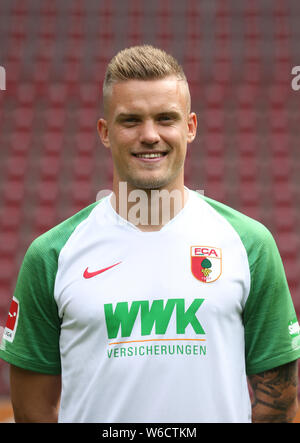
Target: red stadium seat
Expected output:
[83,166]
[23,119]
[45,218]
[279,144]
[90,94]
[7,271]
[8,244]
[281,168]
[278,92]
[79,193]
[246,120]
[282,195]
[284,219]
[16,167]
[50,167]
[250,195]
[214,95]
[26,94]
[288,245]
[11,218]
[48,192]
[279,120]
[87,119]
[57,94]
[214,168]
[248,169]
[247,94]
[13,192]
[216,191]
[85,143]
[247,143]
[52,143]
[20,143]
[213,143]
[55,119]
[214,119]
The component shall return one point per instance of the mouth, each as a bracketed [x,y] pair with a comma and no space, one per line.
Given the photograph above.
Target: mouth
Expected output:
[150,156]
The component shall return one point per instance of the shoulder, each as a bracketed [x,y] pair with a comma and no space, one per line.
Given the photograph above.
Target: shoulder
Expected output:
[48,245]
[241,222]
[253,234]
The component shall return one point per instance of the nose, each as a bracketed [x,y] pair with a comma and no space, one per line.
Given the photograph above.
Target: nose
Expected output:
[148,133]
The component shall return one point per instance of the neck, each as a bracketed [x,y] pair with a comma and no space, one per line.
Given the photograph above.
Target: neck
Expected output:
[148,209]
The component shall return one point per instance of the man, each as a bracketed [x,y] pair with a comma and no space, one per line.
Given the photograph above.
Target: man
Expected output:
[126,315]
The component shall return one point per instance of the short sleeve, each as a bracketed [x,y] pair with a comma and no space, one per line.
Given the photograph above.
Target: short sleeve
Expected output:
[31,335]
[271,327]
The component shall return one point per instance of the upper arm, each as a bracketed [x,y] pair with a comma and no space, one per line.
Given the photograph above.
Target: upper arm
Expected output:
[35,396]
[275,394]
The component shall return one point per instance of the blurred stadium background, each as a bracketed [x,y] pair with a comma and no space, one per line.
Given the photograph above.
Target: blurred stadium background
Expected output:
[238,58]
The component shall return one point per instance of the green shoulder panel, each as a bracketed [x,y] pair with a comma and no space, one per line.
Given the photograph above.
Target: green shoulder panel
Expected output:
[271,328]
[34,343]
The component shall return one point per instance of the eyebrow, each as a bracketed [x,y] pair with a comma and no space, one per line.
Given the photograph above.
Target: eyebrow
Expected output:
[171,113]
[126,115]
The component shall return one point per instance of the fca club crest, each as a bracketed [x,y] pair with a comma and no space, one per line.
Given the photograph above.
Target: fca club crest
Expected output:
[206,263]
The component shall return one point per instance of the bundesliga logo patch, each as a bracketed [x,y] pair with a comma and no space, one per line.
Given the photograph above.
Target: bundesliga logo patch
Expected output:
[12,321]
[206,263]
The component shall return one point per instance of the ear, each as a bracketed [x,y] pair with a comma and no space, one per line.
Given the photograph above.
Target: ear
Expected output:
[192,127]
[102,128]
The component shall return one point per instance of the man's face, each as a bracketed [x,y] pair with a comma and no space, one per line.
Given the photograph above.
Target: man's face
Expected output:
[147,128]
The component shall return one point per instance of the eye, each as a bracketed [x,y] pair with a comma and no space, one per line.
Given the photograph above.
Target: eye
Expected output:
[165,118]
[130,121]
[169,118]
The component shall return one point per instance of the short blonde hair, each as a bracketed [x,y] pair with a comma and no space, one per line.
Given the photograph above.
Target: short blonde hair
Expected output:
[140,63]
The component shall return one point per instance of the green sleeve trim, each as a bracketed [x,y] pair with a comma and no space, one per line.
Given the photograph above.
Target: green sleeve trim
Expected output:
[273,362]
[28,364]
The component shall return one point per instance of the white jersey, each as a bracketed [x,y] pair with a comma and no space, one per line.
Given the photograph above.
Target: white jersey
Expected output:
[159,327]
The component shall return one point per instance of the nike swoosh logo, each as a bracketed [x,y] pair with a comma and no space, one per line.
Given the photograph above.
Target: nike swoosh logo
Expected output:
[88,274]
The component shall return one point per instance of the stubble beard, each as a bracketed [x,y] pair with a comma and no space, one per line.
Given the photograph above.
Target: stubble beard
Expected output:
[160,182]
[146,185]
